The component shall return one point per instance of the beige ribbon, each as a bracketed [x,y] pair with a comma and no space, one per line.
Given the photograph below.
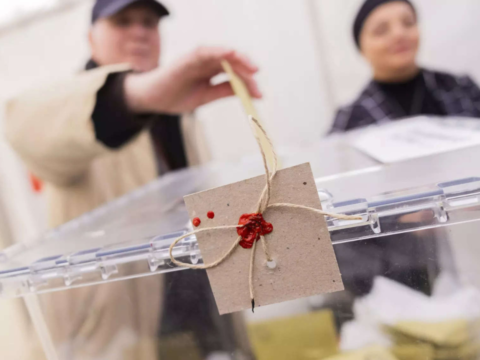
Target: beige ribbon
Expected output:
[241,91]
[262,205]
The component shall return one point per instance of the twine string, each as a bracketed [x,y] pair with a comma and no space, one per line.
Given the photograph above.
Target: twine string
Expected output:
[265,248]
[262,205]
[250,275]
[265,196]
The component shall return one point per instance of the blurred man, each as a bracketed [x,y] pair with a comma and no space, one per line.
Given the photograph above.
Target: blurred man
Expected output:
[103,133]
[88,137]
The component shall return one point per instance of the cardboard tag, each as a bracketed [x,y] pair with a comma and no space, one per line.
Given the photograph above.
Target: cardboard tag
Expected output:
[300,242]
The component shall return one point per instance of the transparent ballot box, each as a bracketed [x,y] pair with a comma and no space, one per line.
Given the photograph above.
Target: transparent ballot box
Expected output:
[103,286]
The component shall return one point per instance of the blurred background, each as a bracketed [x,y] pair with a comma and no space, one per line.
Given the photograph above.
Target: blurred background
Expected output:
[304,48]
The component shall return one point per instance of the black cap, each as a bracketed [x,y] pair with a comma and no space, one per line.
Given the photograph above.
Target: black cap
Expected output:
[106,8]
[367,7]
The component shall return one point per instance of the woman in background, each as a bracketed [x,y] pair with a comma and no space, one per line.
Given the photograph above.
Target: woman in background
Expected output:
[386,33]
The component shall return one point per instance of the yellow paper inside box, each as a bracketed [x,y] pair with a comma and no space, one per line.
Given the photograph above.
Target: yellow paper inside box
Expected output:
[368,353]
[446,333]
[304,337]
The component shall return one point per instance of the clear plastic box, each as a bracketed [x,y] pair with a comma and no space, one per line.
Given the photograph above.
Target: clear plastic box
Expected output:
[103,287]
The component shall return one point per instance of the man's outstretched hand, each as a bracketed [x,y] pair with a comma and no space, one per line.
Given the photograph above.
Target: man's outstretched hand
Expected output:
[186,85]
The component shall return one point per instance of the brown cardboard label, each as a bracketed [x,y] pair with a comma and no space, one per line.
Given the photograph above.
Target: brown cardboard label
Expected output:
[300,242]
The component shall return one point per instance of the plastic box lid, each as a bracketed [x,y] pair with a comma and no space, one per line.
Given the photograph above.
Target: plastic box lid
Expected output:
[139,227]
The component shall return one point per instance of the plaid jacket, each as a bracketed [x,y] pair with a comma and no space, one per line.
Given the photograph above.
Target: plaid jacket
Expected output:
[457,96]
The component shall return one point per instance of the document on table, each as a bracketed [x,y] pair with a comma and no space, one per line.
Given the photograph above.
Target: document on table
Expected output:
[416,137]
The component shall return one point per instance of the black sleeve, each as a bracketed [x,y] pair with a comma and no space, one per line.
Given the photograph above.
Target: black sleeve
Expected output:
[351,117]
[342,120]
[114,123]
[473,92]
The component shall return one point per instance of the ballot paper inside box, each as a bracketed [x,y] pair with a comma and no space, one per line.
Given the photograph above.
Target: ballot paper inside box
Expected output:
[299,244]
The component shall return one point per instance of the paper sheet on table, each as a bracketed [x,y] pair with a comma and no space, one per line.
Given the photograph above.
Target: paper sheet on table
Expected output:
[241,91]
[417,137]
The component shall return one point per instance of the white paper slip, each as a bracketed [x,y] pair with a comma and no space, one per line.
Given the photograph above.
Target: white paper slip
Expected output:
[416,137]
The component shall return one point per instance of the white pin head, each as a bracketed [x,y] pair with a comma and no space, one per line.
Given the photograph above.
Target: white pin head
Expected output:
[271,264]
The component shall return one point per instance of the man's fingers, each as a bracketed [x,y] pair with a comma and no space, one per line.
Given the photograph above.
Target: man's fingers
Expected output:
[206,62]
[241,62]
[251,85]
[212,54]
[224,90]
[244,68]
[247,78]
[217,92]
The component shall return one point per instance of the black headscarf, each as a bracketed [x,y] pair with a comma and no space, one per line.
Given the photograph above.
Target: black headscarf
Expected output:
[366,9]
